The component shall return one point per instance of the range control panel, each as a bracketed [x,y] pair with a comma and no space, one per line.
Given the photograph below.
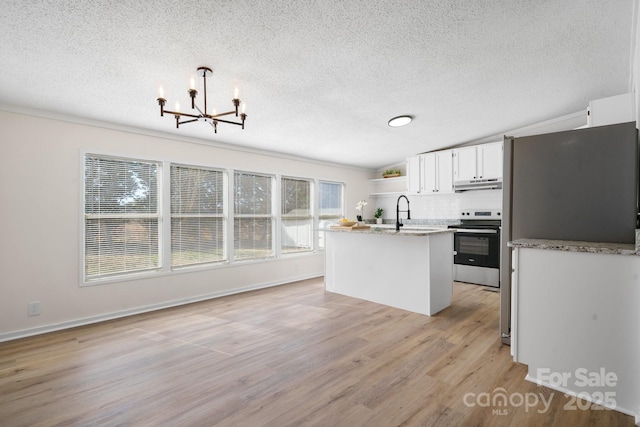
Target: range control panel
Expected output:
[481,214]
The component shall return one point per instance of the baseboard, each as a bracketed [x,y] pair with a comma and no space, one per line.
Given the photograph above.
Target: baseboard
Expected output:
[24,333]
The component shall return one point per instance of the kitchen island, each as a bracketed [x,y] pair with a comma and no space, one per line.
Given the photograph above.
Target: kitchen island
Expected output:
[407,269]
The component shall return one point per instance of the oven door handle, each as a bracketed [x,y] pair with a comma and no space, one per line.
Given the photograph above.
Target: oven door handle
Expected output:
[476,230]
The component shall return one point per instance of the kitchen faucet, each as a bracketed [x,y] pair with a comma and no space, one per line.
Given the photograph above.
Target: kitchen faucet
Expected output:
[408,211]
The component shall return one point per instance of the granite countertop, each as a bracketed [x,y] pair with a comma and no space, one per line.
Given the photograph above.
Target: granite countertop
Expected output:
[573,246]
[423,231]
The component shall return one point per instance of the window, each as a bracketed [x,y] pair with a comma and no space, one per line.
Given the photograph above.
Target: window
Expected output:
[297,218]
[197,216]
[330,209]
[146,216]
[121,216]
[253,218]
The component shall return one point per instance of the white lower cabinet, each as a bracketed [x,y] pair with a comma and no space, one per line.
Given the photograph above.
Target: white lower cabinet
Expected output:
[575,323]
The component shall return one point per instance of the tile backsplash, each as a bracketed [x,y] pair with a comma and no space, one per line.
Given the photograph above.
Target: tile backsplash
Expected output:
[436,206]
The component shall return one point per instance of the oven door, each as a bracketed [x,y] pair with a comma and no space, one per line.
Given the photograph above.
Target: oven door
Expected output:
[477,247]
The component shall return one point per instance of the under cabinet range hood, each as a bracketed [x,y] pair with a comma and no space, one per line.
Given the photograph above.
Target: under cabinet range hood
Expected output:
[477,184]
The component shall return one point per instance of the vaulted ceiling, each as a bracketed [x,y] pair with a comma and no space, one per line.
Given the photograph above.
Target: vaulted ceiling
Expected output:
[320,79]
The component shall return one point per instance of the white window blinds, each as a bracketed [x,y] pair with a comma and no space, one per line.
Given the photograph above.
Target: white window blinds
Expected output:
[330,209]
[121,216]
[297,218]
[197,216]
[253,217]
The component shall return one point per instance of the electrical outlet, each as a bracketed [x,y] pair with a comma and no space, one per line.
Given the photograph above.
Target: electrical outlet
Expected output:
[33,308]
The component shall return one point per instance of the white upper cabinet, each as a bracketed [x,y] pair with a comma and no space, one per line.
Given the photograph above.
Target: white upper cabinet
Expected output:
[464,164]
[414,180]
[445,171]
[478,162]
[438,172]
[430,173]
[490,160]
[615,109]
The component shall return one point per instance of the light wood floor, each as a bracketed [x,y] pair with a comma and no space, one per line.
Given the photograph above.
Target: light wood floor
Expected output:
[292,355]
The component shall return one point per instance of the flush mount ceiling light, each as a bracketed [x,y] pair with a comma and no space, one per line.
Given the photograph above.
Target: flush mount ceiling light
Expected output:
[396,122]
[203,116]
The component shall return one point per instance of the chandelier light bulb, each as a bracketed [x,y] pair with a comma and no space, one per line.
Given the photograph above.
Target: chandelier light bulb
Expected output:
[161,92]
[193,83]
[235,93]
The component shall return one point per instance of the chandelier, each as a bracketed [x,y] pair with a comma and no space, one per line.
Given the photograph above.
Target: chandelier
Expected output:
[203,116]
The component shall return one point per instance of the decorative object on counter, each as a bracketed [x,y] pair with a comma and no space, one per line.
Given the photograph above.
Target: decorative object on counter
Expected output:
[360,207]
[346,223]
[353,226]
[390,173]
[203,115]
[378,215]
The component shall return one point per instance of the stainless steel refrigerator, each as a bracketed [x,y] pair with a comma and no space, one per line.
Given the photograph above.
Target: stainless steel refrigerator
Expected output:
[575,185]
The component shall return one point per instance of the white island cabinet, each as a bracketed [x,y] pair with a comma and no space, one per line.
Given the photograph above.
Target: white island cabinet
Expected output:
[411,270]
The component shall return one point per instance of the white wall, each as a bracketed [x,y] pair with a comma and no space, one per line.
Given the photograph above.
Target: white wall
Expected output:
[40,224]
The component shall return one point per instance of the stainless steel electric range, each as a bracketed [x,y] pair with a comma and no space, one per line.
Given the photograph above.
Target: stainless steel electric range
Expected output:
[477,247]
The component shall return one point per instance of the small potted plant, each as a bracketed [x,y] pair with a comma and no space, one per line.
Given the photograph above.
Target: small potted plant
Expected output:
[378,215]
[389,173]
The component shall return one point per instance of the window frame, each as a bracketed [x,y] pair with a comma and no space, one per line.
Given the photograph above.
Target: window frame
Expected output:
[311,217]
[123,275]
[272,216]
[223,216]
[319,237]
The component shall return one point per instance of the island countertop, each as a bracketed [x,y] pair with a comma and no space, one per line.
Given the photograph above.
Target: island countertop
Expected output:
[430,231]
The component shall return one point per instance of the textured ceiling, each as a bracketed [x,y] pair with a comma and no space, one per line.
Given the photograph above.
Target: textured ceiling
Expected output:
[320,78]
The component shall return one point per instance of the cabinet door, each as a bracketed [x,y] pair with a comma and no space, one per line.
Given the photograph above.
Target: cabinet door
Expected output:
[413,175]
[464,164]
[444,160]
[490,160]
[429,173]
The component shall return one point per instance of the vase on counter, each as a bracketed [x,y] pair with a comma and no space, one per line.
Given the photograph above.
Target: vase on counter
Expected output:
[378,220]
[359,218]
